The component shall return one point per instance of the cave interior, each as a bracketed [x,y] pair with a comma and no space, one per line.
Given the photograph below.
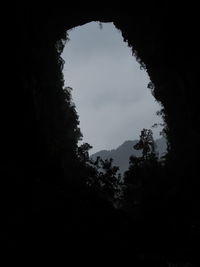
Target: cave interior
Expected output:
[44,202]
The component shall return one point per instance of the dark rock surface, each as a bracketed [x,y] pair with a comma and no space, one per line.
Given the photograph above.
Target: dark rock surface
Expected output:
[40,204]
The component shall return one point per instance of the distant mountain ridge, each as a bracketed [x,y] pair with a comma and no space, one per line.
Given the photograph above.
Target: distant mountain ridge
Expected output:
[122,154]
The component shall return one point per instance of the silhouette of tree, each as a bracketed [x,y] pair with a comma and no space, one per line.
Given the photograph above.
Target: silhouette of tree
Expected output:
[83,152]
[141,179]
[100,175]
[107,181]
[146,143]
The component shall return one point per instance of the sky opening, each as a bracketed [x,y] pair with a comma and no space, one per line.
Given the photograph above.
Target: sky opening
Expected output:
[109,88]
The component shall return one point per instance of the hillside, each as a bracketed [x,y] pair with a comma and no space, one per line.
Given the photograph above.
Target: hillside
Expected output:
[122,154]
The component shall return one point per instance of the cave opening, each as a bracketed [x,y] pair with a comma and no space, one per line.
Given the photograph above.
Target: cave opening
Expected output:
[109,87]
[44,207]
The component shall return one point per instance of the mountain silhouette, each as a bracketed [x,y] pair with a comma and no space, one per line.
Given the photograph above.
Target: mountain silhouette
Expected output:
[121,154]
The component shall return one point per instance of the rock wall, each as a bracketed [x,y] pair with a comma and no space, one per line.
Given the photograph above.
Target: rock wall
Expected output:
[163,38]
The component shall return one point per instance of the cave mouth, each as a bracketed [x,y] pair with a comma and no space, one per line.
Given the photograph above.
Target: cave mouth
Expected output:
[109,86]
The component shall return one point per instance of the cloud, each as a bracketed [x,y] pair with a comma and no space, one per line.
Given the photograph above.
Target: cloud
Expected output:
[109,89]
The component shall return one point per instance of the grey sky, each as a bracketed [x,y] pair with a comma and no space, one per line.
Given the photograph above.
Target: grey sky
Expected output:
[109,89]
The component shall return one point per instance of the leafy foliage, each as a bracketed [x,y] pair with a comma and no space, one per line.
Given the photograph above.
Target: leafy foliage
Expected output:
[101,176]
[142,177]
[146,143]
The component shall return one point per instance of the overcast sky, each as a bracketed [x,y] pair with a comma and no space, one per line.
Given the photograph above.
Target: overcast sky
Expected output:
[109,89]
